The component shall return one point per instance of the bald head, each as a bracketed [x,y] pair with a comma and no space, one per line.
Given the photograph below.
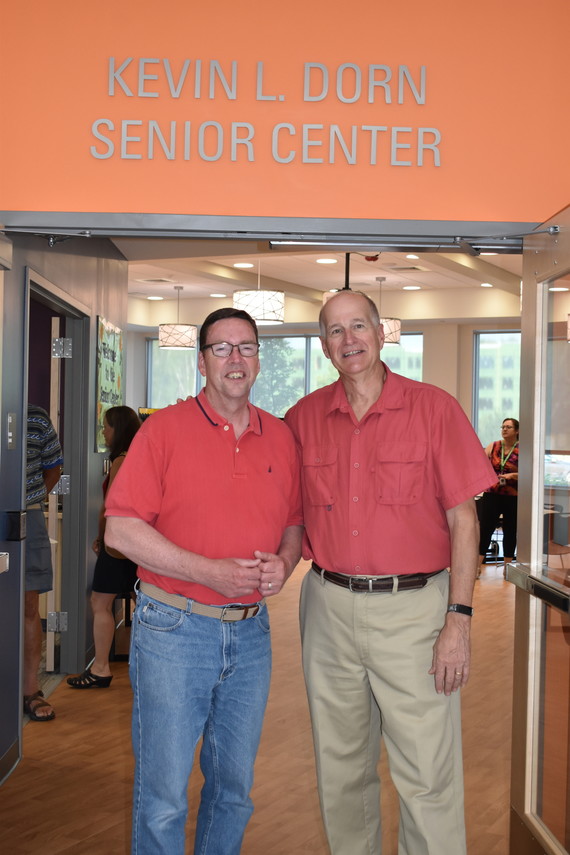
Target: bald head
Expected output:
[368,303]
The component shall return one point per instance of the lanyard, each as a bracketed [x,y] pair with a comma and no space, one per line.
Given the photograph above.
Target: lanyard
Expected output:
[503,458]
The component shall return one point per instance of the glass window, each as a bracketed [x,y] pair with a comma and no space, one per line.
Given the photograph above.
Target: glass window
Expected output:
[281,381]
[321,370]
[406,358]
[171,374]
[290,368]
[497,368]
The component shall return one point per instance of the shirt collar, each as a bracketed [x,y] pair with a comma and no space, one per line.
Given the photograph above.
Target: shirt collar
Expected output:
[391,397]
[217,420]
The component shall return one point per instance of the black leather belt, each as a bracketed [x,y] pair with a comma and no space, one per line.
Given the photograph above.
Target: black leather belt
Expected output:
[376,584]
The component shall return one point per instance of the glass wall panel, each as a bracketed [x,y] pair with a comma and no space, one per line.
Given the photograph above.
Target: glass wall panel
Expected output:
[171,374]
[281,381]
[552,768]
[557,437]
[406,358]
[497,382]
[322,371]
[290,368]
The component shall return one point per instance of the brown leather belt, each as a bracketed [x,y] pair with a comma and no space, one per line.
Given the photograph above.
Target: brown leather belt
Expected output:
[376,584]
[223,613]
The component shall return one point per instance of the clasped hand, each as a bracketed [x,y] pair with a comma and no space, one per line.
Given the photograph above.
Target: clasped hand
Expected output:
[236,578]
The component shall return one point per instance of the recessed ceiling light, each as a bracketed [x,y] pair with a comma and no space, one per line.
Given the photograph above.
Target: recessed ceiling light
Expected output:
[412,256]
[218,295]
[327,260]
[243,264]
[486,285]
[155,298]
[488,253]
[412,288]
[560,288]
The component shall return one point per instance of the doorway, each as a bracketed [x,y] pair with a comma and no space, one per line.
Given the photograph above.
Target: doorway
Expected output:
[57,338]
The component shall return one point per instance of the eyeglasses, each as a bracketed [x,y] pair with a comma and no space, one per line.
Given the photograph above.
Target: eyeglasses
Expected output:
[224,348]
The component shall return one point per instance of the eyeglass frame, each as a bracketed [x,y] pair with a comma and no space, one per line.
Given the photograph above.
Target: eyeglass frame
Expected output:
[213,344]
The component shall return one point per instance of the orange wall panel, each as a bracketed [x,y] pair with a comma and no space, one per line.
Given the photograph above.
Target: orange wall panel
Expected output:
[496,84]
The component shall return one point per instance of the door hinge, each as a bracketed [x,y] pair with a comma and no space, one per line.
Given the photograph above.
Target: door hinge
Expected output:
[61,348]
[56,622]
[63,486]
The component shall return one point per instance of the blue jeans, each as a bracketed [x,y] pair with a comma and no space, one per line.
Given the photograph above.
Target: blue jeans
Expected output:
[193,677]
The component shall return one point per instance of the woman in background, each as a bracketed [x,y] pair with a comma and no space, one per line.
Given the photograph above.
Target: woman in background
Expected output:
[501,499]
[114,574]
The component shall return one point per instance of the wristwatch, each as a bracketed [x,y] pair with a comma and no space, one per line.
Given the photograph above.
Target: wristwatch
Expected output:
[460,609]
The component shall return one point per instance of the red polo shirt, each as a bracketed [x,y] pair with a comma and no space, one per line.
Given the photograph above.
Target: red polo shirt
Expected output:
[375,492]
[188,477]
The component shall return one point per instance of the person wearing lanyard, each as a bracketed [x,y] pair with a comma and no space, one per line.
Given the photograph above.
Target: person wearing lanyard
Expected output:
[501,499]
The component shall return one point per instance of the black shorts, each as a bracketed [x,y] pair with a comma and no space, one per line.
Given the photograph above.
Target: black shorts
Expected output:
[39,573]
[113,575]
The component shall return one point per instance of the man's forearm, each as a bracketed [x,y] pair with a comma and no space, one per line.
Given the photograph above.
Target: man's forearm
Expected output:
[464,533]
[232,577]
[150,549]
[290,547]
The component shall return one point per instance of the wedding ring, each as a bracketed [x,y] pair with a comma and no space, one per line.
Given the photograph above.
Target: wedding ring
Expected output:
[459,673]
[269,585]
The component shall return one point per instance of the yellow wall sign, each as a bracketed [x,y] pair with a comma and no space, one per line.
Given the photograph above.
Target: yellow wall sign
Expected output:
[429,111]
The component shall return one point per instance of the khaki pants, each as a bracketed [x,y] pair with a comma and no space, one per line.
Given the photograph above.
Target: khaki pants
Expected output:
[366,659]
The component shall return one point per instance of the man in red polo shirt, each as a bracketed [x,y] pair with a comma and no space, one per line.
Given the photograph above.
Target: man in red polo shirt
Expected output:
[390,469]
[208,504]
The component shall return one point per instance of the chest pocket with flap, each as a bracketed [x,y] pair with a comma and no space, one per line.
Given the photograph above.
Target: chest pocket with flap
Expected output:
[320,474]
[399,471]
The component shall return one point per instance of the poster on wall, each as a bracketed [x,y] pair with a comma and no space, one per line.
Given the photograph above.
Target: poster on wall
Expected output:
[109,374]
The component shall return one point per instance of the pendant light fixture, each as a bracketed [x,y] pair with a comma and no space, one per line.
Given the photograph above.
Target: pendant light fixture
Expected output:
[177,336]
[392,326]
[265,307]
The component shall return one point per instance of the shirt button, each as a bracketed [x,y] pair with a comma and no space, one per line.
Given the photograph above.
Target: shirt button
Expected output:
[226,427]
[357,569]
[355,533]
[317,459]
[357,431]
[356,465]
[355,498]
[237,450]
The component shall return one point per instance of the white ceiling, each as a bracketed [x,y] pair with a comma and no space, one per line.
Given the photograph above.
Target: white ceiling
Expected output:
[203,267]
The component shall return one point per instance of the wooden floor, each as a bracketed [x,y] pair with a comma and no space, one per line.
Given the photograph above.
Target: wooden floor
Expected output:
[71,792]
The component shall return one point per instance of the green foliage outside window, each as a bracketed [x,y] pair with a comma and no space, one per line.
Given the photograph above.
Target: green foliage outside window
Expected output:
[281,381]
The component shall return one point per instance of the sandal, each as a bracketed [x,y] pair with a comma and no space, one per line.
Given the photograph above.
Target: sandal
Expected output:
[87,680]
[32,703]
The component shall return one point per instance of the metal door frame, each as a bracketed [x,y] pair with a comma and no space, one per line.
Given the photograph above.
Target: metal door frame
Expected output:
[546,256]
[75,407]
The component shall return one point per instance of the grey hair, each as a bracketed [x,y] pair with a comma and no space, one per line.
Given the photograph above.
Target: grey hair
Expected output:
[372,308]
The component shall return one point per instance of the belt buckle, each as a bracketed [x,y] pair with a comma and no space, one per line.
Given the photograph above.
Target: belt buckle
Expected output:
[350,588]
[245,609]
